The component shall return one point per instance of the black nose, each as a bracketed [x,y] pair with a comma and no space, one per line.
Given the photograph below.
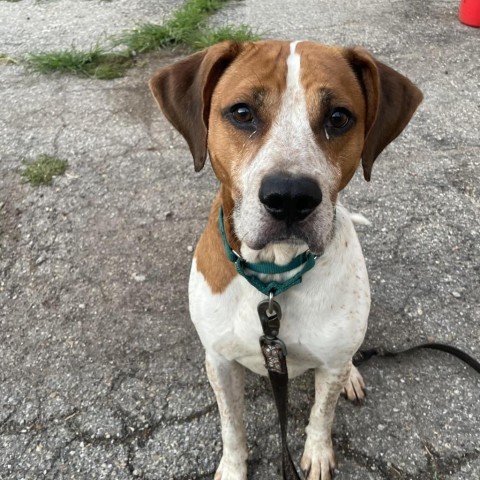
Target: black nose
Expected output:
[288,198]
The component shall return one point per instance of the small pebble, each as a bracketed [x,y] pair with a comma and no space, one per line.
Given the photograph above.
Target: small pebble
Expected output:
[40,259]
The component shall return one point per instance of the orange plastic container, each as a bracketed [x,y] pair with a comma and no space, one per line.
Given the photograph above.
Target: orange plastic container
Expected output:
[469,13]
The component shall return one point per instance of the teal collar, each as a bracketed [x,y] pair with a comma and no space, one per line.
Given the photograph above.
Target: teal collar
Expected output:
[307,259]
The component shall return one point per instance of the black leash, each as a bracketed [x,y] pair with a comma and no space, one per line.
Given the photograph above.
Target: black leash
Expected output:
[365,355]
[275,353]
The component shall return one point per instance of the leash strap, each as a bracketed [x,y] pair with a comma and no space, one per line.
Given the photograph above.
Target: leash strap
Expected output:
[279,384]
[365,355]
[275,355]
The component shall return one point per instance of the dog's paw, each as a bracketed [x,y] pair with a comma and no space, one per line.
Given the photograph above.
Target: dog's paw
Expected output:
[231,469]
[318,463]
[354,389]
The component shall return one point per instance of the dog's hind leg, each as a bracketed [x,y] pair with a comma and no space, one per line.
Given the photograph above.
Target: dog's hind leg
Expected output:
[318,460]
[354,389]
[227,379]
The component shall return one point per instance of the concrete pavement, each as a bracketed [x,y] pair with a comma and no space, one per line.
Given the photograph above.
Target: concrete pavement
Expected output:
[101,372]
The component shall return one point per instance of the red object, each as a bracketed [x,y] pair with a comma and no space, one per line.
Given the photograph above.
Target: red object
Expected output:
[469,13]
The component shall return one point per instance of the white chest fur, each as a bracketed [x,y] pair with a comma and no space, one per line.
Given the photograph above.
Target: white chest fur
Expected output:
[324,318]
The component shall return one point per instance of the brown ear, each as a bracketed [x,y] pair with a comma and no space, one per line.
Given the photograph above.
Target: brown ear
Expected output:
[183,92]
[390,98]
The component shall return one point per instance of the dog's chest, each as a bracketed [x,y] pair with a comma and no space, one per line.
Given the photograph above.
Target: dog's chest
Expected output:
[323,319]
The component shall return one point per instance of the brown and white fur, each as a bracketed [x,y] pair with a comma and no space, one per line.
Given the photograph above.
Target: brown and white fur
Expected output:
[289,90]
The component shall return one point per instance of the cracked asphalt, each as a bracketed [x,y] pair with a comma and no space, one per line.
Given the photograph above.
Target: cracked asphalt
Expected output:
[101,372]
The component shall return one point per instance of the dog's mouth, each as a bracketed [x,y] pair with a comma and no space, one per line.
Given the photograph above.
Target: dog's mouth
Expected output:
[293,235]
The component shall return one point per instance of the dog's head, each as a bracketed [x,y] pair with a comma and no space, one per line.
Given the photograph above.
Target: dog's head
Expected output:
[285,126]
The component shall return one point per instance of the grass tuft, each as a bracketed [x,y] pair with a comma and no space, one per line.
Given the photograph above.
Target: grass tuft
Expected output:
[148,37]
[207,38]
[96,63]
[42,170]
[187,27]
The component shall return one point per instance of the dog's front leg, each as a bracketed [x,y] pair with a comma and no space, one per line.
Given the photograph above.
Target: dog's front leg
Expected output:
[227,379]
[318,460]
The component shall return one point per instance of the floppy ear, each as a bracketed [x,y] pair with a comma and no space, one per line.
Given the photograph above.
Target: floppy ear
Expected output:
[390,99]
[183,92]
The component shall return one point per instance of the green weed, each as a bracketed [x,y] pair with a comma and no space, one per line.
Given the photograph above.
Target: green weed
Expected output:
[42,170]
[181,29]
[96,63]
[207,37]
[188,28]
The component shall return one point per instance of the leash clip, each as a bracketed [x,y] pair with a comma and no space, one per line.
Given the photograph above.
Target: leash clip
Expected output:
[270,310]
[273,349]
[270,314]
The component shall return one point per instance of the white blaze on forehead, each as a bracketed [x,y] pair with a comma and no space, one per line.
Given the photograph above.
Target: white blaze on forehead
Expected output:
[291,146]
[293,67]
[293,116]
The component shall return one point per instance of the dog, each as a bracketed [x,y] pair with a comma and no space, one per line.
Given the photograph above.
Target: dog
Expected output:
[285,125]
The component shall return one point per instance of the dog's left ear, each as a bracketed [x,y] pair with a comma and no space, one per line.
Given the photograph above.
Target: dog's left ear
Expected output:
[183,92]
[390,99]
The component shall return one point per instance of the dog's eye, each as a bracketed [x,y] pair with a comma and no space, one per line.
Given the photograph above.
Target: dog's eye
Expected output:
[338,121]
[241,113]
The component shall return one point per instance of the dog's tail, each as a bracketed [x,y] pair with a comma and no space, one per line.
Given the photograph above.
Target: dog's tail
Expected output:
[359,219]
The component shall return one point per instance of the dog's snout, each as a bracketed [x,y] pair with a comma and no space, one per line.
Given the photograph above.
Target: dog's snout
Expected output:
[289,199]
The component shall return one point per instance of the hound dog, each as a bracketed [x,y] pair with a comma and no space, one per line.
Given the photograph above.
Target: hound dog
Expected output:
[285,125]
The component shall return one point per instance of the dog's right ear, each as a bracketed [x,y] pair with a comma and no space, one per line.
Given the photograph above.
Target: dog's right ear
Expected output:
[184,90]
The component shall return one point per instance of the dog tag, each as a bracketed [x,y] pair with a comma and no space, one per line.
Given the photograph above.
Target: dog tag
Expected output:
[270,315]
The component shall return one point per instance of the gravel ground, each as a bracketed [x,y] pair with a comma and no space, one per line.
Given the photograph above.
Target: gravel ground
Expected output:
[101,372]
